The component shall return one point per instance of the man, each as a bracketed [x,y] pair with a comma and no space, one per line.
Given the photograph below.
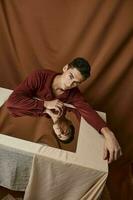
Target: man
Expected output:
[55,89]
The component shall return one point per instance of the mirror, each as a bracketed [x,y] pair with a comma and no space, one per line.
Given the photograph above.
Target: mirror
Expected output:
[35,129]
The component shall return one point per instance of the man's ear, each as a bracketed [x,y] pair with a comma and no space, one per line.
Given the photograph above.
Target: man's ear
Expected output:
[65,68]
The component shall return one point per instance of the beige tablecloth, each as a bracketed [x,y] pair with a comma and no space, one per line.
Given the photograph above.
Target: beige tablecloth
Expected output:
[61,175]
[55,174]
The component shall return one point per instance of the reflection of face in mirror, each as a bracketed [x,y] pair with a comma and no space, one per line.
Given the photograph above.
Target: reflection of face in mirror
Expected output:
[64,130]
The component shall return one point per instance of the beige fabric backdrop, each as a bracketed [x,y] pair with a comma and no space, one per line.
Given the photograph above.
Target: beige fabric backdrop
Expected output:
[49,34]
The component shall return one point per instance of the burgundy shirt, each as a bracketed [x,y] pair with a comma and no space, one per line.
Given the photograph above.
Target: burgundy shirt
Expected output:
[39,84]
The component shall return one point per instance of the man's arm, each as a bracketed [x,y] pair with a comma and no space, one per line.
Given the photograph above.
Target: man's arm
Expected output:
[112,148]
[21,101]
[85,110]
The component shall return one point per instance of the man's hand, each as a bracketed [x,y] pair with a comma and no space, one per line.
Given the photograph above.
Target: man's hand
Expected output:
[112,149]
[54,104]
[54,116]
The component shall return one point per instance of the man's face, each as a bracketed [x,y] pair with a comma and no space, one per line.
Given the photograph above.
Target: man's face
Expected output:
[71,78]
[62,129]
[60,133]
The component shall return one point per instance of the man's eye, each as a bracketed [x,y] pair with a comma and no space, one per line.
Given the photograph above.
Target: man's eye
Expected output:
[75,84]
[71,77]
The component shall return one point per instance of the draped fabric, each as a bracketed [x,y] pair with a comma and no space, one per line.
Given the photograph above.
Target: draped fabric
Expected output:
[49,34]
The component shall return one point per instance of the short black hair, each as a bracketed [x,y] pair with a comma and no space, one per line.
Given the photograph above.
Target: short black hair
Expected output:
[71,137]
[81,65]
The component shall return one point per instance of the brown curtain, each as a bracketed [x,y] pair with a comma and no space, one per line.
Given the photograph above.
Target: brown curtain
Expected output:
[49,34]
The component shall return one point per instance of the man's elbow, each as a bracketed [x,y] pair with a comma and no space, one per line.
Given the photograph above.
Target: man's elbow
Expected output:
[9,102]
[10,105]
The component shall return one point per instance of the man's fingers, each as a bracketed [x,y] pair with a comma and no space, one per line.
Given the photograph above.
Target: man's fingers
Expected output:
[111,156]
[49,112]
[116,155]
[121,152]
[105,153]
[59,103]
[59,110]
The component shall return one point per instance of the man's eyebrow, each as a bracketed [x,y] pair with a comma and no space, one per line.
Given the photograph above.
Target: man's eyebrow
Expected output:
[72,74]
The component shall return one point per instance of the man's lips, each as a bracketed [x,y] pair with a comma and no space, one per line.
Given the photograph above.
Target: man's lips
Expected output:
[60,89]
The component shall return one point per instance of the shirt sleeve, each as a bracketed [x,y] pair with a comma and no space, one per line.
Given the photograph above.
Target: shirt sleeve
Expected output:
[21,101]
[86,111]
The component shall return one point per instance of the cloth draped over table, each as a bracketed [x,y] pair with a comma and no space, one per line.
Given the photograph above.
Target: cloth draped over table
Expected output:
[78,175]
